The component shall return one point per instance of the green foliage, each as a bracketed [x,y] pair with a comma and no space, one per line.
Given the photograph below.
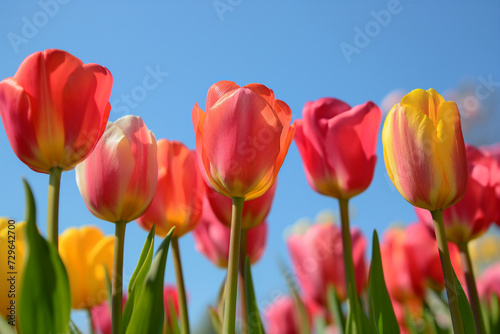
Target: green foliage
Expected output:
[254,324]
[148,314]
[382,314]
[45,299]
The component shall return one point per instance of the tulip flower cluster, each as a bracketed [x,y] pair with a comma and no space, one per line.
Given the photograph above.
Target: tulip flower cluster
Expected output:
[55,112]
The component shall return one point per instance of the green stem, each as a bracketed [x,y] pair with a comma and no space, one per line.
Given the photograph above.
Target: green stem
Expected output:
[449,279]
[53,205]
[181,291]
[350,278]
[233,264]
[243,297]
[116,289]
[91,322]
[471,287]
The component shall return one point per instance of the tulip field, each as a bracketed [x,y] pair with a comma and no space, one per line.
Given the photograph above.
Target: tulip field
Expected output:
[338,274]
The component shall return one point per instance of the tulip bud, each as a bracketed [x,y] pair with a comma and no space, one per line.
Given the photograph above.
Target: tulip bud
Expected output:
[118,180]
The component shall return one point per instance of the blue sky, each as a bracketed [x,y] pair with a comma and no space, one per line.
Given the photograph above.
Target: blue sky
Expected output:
[354,51]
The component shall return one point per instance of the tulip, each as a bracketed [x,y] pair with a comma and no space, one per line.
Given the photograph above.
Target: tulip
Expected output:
[178,198]
[211,238]
[425,158]
[14,242]
[494,152]
[54,111]
[489,283]
[424,150]
[317,259]
[282,317]
[242,139]
[87,254]
[170,300]
[337,144]
[472,216]
[101,317]
[117,182]
[255,211]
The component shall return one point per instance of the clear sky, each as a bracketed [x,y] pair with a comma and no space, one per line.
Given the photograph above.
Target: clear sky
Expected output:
[303,50]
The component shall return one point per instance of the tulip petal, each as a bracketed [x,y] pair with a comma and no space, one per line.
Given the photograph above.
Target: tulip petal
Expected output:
[218,90]
[265,93]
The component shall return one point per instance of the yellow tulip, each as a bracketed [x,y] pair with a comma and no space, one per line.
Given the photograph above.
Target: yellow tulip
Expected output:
[424,150]
[86,254]
[12,250]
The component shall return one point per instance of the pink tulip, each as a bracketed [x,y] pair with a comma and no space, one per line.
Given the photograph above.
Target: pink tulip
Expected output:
[211,238]
[101,317]
[179,194]
[471,216]
[318,261]
[489,283]
[118,180]
[337,144]
[170,297]
[255,211]
[494,152]
[282,318]
[55,109]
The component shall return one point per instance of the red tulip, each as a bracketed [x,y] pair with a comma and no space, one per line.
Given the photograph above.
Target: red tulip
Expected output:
[255,211]
[397,268]
[337,144]
[211,238]
[242,139]
[55,109]
[282,317]
[471,216]
[118,180]
[318,261]
[179,193]
[494,152]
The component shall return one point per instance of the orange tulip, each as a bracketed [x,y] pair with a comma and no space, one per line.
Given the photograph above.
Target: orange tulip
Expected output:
[55,109]
[178,199]
[86,254]
[242,139]
[118,180]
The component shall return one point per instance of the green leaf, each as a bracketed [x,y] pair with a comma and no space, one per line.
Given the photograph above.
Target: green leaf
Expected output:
[381,312]
[45,299]
[148,313]
[357,321]
[254,324]
[215,320]
[464,306]
[5,328]
[138,276]
[335,309]
[299,305]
